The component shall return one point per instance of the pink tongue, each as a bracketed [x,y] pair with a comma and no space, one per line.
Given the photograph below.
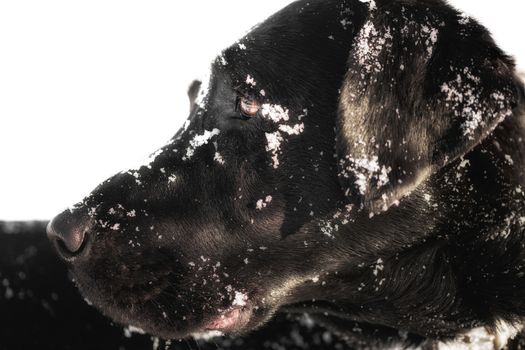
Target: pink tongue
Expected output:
[227,321]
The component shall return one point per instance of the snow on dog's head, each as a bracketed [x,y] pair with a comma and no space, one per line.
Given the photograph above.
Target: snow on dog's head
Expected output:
[291,183]
[180,244]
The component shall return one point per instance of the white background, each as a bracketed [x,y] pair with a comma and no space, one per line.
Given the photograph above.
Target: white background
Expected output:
[89,87]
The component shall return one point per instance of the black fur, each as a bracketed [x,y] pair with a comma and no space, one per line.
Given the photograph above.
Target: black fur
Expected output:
[413,226]
[40,308]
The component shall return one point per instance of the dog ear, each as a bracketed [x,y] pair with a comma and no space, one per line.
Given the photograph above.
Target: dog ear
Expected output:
[421,90]
[193,92]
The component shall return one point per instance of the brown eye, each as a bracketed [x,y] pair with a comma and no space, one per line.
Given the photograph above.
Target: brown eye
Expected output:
[248,106]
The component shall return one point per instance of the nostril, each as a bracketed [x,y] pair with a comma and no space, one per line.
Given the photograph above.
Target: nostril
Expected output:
[68,234]
[72,241]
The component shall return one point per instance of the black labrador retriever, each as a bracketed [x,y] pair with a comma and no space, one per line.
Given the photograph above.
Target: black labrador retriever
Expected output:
[361,161]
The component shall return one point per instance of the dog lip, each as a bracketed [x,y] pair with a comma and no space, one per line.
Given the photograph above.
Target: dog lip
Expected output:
[234,319]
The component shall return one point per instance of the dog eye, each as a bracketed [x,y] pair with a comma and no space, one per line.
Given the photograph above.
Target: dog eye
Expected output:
[248,106]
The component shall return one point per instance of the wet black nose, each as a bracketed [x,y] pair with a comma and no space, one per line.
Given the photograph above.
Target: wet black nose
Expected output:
[68,232]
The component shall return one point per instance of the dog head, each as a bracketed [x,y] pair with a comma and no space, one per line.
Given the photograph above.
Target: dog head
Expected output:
[301,133]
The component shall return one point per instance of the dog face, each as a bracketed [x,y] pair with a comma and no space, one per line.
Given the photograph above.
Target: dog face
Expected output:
[282,180]
[183,243]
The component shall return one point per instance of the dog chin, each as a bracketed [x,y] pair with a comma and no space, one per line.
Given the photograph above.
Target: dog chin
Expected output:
[147,318]
[235,322]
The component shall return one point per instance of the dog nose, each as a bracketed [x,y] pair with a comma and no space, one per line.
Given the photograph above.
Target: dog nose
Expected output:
[68,233]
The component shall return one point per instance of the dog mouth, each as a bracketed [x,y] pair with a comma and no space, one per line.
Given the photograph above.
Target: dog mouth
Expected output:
[165,300]
[234,320]
[145,305]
